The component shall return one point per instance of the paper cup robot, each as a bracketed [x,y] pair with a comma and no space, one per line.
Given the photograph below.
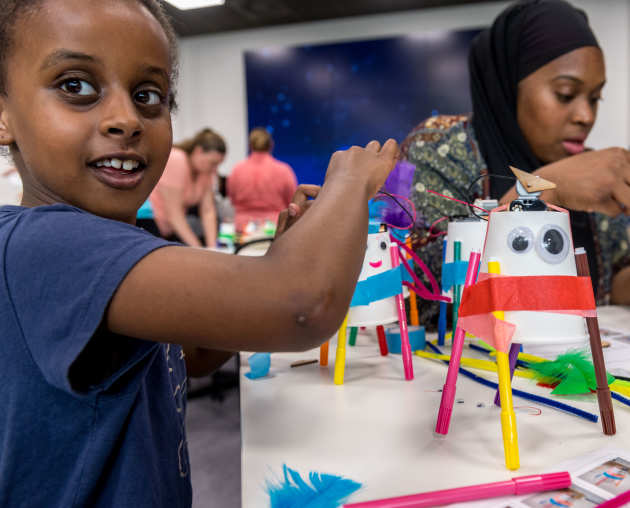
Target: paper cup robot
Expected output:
[377,301]
[463,236]
[535,243]
[528,292]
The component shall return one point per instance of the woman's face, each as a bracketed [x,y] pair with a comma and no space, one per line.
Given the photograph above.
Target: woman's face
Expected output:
[206,162]
[557,104]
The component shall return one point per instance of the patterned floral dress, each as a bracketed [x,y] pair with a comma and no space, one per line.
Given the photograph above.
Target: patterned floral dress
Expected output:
[446,154]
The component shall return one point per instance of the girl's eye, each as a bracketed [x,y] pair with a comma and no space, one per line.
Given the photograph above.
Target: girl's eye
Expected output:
[383,246]
[78,87]
[148,97]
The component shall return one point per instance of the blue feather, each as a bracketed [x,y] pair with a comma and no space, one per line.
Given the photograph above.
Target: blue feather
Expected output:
[324,491]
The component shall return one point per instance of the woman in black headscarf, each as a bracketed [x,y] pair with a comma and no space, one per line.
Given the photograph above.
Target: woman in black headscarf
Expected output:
[536,79]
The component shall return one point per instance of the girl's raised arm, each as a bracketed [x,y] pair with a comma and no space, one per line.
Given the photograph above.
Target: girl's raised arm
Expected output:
[291,299]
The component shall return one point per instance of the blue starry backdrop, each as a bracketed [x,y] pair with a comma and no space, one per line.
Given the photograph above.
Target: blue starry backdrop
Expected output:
[321,98]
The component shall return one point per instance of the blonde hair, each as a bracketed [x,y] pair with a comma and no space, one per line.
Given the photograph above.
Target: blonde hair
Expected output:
[260,140]
[207,139]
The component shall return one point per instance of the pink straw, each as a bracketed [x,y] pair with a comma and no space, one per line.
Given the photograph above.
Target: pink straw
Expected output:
[405,347]
[448,392]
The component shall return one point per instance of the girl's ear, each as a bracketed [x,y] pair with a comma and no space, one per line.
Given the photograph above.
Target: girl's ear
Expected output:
[6,137]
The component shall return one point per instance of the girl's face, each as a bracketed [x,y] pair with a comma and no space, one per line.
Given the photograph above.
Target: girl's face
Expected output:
[206,162]
[87,105]
[557,104]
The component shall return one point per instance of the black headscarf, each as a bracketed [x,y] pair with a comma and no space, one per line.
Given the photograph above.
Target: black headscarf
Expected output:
[523,38]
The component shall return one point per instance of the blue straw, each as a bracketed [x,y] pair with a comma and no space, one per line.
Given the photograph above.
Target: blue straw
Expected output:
[442,316]
[525,395]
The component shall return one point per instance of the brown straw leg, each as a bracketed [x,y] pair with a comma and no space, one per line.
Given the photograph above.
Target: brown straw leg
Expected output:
[603,392]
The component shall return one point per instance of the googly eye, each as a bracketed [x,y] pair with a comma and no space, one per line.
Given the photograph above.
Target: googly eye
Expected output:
[383,246]
[520,240]
[552,244]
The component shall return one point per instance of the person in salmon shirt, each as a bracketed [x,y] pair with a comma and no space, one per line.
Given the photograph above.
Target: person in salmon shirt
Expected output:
[187,188]
[260,187]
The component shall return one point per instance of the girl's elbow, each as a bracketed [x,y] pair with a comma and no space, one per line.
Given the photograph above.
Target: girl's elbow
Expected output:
[315,323]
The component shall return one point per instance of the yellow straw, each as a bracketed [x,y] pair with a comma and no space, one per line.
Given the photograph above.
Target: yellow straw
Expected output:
[508,417]
[340,358]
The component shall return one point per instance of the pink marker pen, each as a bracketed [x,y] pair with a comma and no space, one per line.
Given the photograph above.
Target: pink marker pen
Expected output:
[514,487]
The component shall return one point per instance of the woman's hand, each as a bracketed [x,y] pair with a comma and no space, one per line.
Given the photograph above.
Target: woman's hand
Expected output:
[298,207]
[594,181]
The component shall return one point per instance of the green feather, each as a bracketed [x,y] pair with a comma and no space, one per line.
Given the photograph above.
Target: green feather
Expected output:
[572,372]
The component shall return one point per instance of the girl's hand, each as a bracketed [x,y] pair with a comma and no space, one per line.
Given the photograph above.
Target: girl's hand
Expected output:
[368,166]
[298,207]
[594,181]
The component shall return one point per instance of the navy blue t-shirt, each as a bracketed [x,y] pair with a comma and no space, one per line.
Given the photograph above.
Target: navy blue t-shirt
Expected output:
[87,417]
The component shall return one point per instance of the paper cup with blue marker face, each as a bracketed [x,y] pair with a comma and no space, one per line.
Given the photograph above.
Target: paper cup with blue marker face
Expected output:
[535,243]
[377,261]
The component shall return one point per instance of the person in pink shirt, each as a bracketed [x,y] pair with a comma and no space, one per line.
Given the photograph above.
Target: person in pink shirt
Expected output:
[187,188]
[260,187]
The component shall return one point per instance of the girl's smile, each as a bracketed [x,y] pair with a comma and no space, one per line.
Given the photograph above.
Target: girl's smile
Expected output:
[88,123]
[121,170]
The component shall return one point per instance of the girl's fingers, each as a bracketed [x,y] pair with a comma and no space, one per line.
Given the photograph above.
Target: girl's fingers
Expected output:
[373,146]
[303,192]
[390,149]
[283,219]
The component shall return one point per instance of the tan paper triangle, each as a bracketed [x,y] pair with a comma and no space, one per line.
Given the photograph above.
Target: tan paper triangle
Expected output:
[532,183]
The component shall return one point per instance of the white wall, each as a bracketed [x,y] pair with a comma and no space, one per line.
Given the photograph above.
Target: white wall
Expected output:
[212,80]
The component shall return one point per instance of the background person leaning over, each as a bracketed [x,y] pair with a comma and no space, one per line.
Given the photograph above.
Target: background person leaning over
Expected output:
[186,190]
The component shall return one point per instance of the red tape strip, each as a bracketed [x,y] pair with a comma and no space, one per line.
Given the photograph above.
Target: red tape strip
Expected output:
[530,293]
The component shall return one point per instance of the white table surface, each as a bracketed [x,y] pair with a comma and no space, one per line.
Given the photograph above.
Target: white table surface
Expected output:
[377,428]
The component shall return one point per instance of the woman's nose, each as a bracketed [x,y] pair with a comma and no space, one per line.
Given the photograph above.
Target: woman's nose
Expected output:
[121,118]
[584,112]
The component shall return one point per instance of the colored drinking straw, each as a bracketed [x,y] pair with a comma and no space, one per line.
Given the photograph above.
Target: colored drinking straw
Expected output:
[442,316]
[448,392]
[508,417]
[340,357]
[603,392]
[405,347]
[457,256]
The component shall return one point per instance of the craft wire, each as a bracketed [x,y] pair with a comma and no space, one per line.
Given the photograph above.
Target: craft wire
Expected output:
[412,217]
[524,395]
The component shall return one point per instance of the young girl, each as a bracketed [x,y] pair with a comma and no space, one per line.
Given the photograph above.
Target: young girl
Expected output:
[92,383]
